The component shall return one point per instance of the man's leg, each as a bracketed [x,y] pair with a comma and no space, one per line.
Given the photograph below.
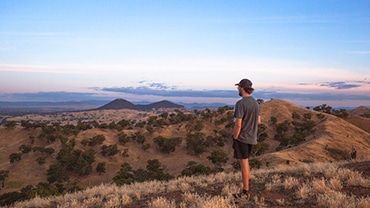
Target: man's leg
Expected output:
[244,164]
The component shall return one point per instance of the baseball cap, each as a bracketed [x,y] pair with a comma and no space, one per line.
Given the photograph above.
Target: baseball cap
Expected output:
[244,83]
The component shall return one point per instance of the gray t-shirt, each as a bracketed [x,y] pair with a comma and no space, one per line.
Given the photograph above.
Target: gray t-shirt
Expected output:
[248,109]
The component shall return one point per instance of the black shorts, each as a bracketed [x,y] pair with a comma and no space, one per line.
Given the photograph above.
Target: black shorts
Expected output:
[241,150]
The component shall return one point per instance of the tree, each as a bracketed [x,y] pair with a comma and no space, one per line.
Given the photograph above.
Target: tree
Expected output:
[198,126]
[123,138]
[41,160]
[323,108]
[98,139]
[156,171]
[192,168]
[342,113]
[218,157]
[138,137]
[262,135]
[167,145]
[196,143]
[260,148]
[14,157]
[25,148]
[260,101]
[76,161]
[110,150]
[100,168]
[57,173]
[125,175]
[283,127]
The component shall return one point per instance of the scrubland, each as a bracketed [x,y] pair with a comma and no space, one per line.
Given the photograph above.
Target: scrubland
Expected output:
[97,159]
[339,184]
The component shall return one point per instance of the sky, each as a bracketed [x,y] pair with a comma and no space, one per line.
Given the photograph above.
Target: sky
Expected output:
[308,52]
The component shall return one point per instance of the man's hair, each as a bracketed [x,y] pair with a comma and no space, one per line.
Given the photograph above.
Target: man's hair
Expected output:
[248,90]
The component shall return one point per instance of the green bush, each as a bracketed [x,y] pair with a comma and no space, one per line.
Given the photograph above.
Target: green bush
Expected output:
[218,157]
[14,157]
[98,139]
[196,143]
[100,168]
[167,145]
[110,150]
[192,168]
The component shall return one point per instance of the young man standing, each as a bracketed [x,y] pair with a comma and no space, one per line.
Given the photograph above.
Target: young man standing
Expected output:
[247,117]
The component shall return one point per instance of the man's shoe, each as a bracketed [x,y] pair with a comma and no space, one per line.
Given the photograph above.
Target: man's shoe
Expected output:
[242,194]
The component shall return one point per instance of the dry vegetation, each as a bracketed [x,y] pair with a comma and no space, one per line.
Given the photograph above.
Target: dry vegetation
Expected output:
[339,184]
[296,165]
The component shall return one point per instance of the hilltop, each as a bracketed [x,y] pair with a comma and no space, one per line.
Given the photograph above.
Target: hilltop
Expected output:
[321,138]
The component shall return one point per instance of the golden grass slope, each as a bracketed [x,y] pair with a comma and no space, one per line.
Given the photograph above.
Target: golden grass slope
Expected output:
[331,132]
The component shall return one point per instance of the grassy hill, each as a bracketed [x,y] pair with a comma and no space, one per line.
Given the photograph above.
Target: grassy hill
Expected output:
[293,136]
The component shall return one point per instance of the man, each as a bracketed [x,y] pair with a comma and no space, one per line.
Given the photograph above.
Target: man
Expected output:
[246,119]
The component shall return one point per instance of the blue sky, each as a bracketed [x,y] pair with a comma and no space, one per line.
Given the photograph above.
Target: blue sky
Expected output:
[307,52]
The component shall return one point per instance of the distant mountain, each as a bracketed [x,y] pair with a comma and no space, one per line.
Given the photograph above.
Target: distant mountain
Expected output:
[124,104]
[359,111]
[118,104]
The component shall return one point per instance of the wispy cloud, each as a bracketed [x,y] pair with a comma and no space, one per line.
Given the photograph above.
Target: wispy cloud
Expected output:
[345,85]
[340,85]
[157,85]
[171,92]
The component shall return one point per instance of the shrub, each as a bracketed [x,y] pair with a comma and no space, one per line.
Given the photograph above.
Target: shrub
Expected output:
[57,173]
[25,148]
[254,163]
[156,171]
[167,145]
[110,150]
[14,157]
[260,148]
[100,168]
[123,138]
[98,139]
[41,160]
[125,175]
[196,143]
[192,168]
[218,157]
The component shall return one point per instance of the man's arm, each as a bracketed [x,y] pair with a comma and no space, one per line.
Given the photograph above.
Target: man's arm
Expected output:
[237,127]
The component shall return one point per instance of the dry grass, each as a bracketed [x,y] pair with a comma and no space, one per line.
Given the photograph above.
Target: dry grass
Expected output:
[309,185]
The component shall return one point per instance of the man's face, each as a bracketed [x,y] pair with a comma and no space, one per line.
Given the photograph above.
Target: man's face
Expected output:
[240,91]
